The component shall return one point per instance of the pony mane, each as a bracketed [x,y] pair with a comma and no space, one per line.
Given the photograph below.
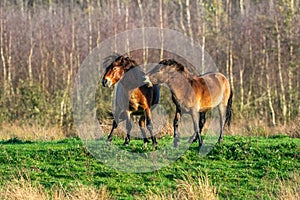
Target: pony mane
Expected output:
[125,61]
[177,66]
[128,62]
[110,59]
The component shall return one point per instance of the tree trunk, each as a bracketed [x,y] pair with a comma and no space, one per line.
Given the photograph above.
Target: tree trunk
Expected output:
[283,97]
[90,26]
[242,67]
[188,17]
[201,32]
[242,7]
[143,31]
[161,25]
[30,53]
[266,66]
[182,17]
[127,27]
[3,58]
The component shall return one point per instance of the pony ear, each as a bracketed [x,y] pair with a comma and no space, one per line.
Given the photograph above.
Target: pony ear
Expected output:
[121,60]
[180,68]
[128,63]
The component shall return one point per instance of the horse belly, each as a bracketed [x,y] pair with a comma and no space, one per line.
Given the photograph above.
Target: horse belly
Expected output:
[209,102]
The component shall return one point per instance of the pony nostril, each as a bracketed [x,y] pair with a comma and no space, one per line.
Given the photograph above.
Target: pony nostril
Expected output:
[104,82]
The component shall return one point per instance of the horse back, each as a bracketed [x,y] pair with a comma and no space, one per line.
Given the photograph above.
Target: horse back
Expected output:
[211,89]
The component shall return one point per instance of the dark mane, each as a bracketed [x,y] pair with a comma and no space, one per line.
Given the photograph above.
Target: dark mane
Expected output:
[110,59]
[128,63]
[178,67]
[122,60]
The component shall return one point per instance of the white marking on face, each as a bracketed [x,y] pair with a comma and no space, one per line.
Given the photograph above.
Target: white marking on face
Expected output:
[147,81]
[109,82]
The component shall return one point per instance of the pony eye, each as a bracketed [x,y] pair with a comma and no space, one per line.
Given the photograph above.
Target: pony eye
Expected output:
[115,68]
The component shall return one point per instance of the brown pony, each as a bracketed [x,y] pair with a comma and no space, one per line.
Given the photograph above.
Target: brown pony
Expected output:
[194,95]
[135,95]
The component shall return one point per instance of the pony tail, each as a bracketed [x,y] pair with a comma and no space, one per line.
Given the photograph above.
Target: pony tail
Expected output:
[229,110]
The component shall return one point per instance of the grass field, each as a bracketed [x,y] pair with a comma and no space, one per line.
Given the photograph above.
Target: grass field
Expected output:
[241,168]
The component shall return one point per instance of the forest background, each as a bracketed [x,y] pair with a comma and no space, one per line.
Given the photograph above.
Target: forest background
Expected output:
[255,43]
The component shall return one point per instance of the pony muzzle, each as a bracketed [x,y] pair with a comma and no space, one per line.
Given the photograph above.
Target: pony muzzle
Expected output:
[151,79]
[106,83]
[147,81]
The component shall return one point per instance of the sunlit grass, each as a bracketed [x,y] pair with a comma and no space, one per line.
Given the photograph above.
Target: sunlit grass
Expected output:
[240,168]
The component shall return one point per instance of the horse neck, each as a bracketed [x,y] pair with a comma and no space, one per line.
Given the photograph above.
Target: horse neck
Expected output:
[181,87]
[133,78]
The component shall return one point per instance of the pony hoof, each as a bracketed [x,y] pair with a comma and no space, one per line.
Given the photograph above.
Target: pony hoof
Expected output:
[220,140]
[146,140]
[108,141]
[192,139]
[125,144]
[199,147]
[176,143]
[154,146]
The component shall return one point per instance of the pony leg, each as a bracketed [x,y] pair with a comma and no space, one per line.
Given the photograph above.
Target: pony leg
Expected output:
[176,121]
[128,128]
[222,113]
[114,125]
[150,127]
[175,125]
[195,117]
[142,128]
[202,121]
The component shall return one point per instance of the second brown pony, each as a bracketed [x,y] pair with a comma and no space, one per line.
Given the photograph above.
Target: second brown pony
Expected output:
[194,95]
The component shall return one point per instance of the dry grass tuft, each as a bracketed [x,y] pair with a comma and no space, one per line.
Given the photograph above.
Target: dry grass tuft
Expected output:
[258,127]
[290,190]
[84,193]
[167,129]
[25,190]
[292,128]
[30,132]
[201,188]
[21,190]
[188,189]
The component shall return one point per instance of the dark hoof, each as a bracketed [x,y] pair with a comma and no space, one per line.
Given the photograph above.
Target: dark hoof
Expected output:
[193,139]
[126,143]
[154,145]
[176,142]
[108,141]
[200,145]
[146,140]
[220,140]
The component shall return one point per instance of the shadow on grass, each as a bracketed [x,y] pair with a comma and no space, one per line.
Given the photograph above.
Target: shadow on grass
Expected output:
[15,141]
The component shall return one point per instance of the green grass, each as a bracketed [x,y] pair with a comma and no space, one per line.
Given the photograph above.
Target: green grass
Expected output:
[241,168]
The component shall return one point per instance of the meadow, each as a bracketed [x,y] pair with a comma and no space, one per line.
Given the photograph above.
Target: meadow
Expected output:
[242,167]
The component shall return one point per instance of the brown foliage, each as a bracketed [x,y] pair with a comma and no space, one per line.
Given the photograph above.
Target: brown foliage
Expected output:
[255,45]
